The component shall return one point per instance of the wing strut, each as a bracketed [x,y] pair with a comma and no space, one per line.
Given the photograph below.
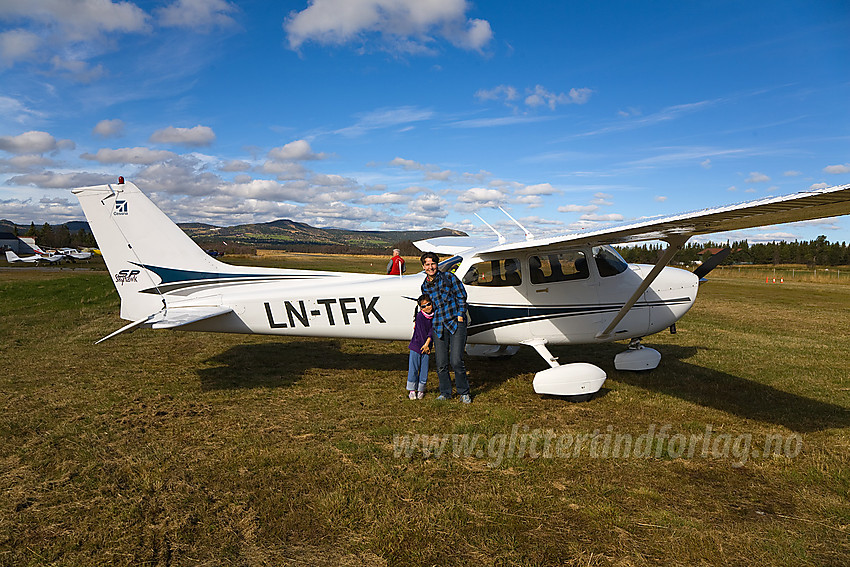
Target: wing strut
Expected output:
[675,244]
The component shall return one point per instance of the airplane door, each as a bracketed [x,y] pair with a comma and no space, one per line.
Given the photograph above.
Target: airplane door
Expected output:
[498,308]
[617,283]
[564,297]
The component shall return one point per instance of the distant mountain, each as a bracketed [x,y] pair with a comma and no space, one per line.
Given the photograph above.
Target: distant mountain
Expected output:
[73,226]
[288,234]
[282,234]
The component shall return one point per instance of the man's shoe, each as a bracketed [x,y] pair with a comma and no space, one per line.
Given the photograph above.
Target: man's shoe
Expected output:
[420,395]
[412,395]
[465,398]
[443,397]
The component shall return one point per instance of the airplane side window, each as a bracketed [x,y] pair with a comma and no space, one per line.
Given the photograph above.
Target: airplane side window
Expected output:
[608,262]
[561,267]
[495,273]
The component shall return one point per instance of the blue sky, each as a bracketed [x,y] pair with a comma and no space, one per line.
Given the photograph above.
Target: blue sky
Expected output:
[394,114]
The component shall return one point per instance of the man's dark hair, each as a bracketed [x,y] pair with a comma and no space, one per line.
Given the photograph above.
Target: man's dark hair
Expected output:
[431,255]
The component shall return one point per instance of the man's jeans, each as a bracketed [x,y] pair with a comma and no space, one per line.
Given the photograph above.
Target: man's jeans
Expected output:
[451,346]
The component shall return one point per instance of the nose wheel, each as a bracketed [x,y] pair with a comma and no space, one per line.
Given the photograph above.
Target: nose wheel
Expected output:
[637,357]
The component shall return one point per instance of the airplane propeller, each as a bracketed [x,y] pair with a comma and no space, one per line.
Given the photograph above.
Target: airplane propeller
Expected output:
[711,263]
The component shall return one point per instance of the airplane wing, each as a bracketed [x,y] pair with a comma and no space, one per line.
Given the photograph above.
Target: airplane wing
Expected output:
[806,205]
[170,318]
[451,245]
[676,230]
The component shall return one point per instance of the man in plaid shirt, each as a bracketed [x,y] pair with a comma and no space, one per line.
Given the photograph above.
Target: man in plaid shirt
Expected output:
[449,326]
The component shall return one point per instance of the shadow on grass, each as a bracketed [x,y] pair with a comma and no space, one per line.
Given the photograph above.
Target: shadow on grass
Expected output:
[283,364]
[739,396]
[275,365]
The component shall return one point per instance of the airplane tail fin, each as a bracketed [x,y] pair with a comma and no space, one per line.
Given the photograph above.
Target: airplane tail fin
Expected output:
[12,257]
[141,245]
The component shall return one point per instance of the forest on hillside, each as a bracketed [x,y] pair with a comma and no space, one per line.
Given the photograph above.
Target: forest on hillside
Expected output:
[818,252]
[59,236]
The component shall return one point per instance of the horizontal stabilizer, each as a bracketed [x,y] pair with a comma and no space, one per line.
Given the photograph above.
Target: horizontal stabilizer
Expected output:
[171,318]
[178,316]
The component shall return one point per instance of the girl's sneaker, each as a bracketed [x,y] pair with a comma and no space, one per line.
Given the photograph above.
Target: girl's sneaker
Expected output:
[420,395]
[412,395]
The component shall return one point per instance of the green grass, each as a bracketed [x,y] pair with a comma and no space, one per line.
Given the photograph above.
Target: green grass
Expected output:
[169,448]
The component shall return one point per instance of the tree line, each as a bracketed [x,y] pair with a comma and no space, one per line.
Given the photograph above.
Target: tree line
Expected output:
[817,252]
[59,236]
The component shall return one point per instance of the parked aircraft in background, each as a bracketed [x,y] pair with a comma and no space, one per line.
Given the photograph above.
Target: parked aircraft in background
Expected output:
[75,254]
[572,289]
[12,258]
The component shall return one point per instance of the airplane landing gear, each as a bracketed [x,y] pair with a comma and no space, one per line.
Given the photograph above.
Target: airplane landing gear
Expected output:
[637,357]
[576,382]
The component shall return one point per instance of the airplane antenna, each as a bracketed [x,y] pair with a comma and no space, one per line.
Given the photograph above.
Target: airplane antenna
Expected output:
[528,235]
[502,239]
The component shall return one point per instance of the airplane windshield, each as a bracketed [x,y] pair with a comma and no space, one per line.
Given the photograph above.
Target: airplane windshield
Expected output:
[608,261]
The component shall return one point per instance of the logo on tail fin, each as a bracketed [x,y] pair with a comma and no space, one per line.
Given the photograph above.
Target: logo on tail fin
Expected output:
[120,208]
[126,276]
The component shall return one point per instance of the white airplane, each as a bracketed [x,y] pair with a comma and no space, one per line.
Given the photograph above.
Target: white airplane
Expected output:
[75,254]
[11,257]
[573,289]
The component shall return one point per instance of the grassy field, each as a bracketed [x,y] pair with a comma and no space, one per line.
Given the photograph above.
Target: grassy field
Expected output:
[169,448]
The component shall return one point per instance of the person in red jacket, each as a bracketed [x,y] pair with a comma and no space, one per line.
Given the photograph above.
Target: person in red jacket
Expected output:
[395,267]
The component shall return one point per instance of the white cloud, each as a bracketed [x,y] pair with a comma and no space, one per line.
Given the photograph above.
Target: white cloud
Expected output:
[139,156]
[407,26]
[816,186]
[706,164]
[197,136]
[77,70]
[285,169]
[201,15]
[578,208]
[842,168]
[438,175]
[601,199]
[538,189]
[24,163]
[530,201]
[660,198]
[79,20]
[299,150]
[109,128]
[14,110]
[430,205]
[792,173]
[179,176]
[33,142]
[385,199]
[385,118]
[234,165]
[605,218]
[756,177]
[17,45]
[506,92]
[539,96]
[53,180]
[407,164]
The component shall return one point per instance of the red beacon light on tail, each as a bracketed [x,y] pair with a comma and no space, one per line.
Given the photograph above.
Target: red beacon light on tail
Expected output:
[120,180]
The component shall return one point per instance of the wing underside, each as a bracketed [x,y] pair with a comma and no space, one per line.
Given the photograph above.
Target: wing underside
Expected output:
[806,205]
